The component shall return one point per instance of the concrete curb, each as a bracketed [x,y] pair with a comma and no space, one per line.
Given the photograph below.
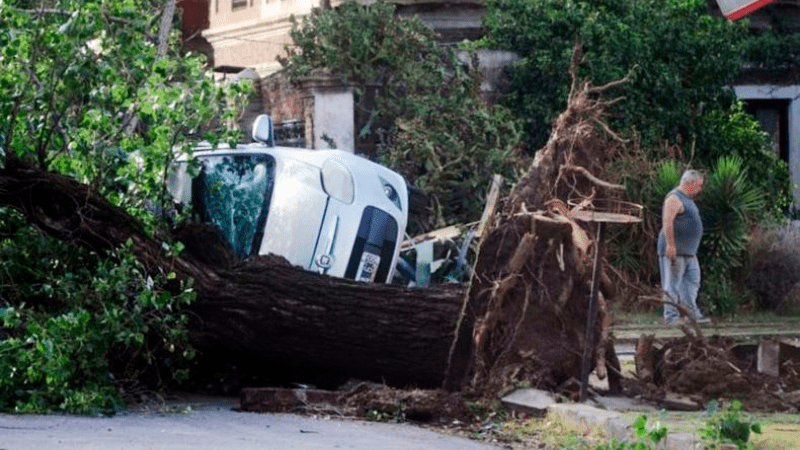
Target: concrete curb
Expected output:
[586,418]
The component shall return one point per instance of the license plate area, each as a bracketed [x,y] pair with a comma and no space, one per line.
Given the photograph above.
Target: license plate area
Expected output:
[368,267]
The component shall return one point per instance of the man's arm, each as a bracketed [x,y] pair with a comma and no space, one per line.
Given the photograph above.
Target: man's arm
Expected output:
[672,207]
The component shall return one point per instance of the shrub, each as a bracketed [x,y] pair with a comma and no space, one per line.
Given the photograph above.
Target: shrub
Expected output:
[773,264]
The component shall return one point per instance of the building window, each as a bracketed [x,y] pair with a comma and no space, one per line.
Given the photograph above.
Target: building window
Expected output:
[774,118]
[238,4]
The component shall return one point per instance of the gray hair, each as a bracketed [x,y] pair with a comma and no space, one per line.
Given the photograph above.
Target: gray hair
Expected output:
[692,175]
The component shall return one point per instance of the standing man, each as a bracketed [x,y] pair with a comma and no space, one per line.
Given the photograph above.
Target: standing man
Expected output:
[678,241]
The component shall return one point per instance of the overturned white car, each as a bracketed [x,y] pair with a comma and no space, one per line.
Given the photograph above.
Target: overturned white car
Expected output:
[328,211]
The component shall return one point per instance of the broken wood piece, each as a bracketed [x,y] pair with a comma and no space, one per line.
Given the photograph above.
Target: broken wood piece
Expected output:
[522,253]
[645,358]
[440,235]
[491,205]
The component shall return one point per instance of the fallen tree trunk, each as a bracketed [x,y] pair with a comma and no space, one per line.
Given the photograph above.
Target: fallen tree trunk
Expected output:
[260,314]
[299,326]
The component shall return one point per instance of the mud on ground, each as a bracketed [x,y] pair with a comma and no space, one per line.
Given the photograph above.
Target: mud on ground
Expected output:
[717,368]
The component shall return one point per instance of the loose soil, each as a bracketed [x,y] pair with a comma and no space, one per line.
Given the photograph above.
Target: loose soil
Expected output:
[712,369]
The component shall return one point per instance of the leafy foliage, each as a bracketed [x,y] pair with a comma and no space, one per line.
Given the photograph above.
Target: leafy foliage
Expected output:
[728,425]
[680,58]
[75,327]
[730,207]
[83,87]
[733,132]
[427,112]
[86,91]
[777,44]
[453,155]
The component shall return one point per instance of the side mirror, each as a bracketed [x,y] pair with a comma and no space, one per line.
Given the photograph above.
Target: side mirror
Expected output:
[262,130]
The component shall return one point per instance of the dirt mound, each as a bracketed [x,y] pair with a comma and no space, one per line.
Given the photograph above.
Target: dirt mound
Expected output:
[702,370]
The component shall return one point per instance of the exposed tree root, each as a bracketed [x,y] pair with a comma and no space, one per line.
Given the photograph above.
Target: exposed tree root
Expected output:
[526,313]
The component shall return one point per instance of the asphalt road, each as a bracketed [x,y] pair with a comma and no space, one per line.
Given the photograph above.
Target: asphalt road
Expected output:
[214,424]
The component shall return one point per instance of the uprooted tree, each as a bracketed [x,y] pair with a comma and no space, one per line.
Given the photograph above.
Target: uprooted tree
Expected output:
[526,314]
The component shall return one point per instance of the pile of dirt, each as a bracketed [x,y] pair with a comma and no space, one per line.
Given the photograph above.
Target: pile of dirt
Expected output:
[701,370]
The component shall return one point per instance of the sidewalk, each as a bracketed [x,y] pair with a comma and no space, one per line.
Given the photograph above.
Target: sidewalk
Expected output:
[629,333]
[614,418]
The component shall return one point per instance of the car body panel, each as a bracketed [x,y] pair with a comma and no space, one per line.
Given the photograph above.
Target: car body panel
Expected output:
[312,228]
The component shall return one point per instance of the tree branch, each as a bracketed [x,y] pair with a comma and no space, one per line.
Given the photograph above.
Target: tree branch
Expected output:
[610,132]
[591,177]
[610,85]
[65,13]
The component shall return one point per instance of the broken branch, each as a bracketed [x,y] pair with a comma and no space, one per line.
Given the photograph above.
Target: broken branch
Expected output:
[592,178]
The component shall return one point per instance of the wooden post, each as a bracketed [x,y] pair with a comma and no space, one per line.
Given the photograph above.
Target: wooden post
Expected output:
[588,344]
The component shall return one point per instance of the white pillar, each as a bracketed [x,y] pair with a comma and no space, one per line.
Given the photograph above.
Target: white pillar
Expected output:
[330,114]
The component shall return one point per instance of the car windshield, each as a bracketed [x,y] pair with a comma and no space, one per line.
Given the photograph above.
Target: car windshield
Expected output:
[233,192]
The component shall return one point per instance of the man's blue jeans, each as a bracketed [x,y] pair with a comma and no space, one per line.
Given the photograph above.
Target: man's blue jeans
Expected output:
[681,282]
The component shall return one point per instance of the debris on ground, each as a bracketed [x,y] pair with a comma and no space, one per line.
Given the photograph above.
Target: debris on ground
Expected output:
[362,400]
[701,370]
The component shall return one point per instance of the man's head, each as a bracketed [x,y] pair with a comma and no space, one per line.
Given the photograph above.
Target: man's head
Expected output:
[692,182]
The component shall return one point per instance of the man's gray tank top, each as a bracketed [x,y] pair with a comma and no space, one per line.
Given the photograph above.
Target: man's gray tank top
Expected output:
[688,228]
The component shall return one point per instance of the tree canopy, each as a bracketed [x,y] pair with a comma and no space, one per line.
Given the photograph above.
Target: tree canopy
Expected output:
[83,86]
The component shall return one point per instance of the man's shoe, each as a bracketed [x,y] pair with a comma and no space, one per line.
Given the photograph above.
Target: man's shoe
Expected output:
[674,321]
[703,320]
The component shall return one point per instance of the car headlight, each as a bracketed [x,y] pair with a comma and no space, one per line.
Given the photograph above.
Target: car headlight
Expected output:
[391,193]
[337,181]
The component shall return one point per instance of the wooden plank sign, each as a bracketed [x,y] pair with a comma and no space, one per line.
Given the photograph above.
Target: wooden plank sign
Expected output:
[736,9]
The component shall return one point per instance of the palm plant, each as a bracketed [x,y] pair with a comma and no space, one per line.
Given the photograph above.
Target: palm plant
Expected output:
[668,175]
[729,205]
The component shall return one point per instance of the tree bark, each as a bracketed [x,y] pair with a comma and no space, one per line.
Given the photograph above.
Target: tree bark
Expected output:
[262,314]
